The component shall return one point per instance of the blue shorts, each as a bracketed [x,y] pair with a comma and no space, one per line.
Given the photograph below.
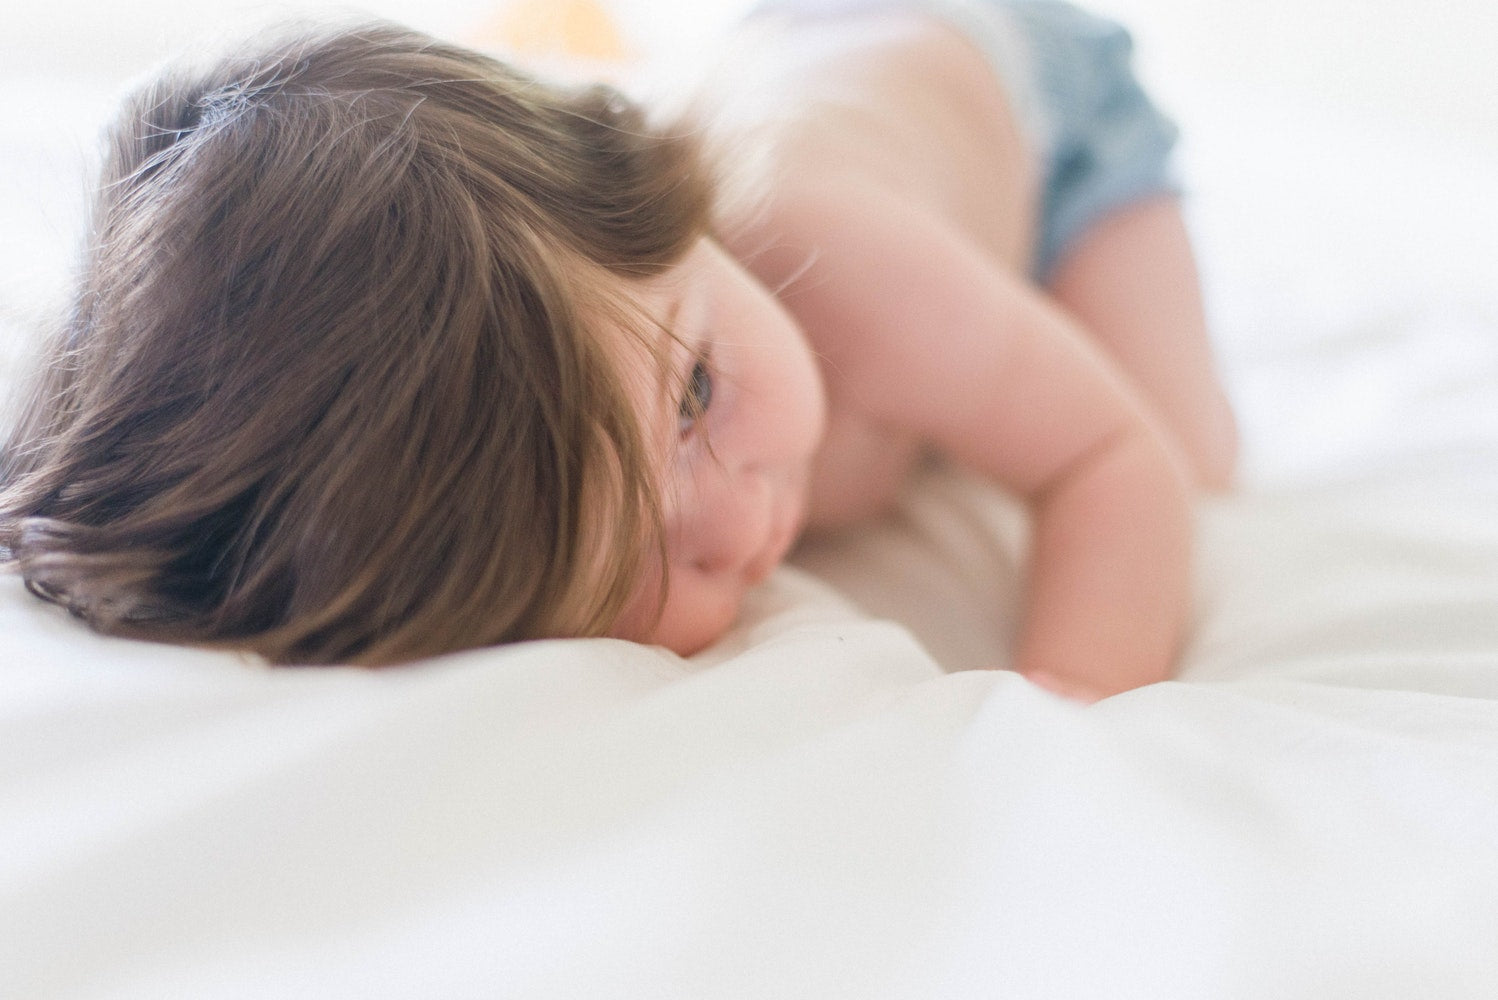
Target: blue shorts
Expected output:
[1100,140]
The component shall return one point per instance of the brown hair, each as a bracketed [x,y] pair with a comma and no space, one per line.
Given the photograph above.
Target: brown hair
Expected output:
[326,390]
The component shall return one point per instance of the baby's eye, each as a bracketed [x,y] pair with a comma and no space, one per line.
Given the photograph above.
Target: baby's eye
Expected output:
[695,398]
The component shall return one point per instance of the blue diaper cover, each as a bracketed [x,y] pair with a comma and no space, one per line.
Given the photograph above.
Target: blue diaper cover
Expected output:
[1101,141]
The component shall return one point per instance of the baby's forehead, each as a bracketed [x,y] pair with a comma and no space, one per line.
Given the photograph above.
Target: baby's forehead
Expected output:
[649,328]
[632,327]
[659,316]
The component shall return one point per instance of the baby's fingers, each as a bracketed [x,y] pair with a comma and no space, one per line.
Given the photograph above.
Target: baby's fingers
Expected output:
[1067,687]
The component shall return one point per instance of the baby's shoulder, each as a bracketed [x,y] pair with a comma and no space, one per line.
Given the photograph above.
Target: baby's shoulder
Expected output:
[871,273]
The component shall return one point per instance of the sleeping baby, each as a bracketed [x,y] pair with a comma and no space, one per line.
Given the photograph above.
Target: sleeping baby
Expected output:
[382,349]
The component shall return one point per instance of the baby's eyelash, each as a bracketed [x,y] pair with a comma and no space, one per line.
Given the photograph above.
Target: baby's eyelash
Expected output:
[696,396]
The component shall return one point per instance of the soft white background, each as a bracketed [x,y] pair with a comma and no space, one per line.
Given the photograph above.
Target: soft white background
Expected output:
[1428,64]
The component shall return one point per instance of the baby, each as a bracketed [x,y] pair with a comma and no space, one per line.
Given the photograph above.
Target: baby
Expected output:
[967,207]
[381,349]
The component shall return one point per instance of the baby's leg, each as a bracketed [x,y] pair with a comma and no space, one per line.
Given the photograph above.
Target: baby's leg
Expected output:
[1132,281]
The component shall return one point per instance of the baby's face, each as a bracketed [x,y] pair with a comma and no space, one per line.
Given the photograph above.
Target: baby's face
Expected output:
[739,426]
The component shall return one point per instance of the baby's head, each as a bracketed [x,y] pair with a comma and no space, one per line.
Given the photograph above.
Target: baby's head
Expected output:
[333,387]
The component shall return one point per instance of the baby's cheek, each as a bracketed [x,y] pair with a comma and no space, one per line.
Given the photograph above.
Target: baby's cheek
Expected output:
[698,610]
[637,619]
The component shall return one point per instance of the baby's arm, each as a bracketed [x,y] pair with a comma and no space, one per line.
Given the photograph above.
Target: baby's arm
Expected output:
[932,335]
[1132,283]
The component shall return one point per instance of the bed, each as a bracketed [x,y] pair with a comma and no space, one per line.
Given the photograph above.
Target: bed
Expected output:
[830,802]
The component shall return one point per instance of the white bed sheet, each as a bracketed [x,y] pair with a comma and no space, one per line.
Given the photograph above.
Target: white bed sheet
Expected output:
[816,808]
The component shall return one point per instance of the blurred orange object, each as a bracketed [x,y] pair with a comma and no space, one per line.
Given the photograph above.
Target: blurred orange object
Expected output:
[580,29]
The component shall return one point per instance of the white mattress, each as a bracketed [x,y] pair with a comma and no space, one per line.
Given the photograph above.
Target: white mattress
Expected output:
[824,806]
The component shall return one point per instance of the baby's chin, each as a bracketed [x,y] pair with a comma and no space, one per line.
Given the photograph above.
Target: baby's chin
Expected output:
[687,633]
